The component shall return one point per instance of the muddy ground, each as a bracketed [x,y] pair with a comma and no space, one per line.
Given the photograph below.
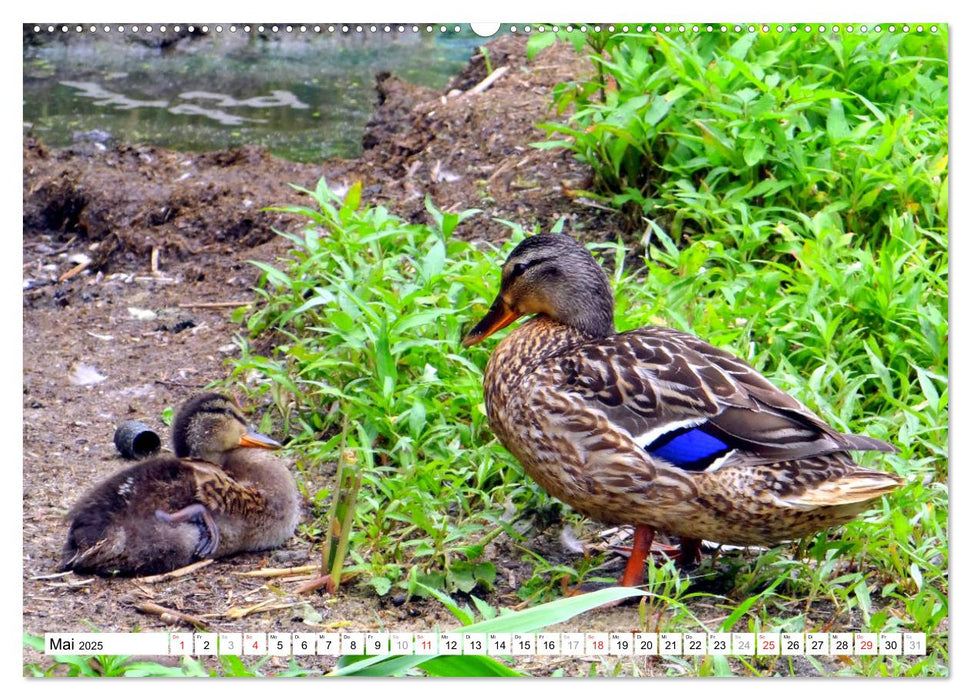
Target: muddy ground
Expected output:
[130,254]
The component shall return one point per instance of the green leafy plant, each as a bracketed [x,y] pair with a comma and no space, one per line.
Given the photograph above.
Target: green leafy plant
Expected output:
[794,122]
[366,318]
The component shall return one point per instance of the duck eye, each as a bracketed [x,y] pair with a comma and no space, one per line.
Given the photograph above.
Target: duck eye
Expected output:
[518,269]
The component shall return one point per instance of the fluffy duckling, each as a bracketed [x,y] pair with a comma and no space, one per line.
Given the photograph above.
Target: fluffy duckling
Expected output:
[216,497]
[654,427]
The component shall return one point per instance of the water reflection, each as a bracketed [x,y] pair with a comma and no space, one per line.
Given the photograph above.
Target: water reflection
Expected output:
[278,98]
[305,99]
[103,97]
[107,98]
[214,114]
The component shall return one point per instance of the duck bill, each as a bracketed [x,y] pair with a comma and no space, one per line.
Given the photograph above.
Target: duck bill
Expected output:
[499,316]
[255,439]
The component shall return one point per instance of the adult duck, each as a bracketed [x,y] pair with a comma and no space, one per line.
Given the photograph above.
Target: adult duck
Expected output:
[654,427]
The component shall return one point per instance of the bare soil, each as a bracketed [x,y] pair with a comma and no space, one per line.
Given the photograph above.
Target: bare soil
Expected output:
[95,302]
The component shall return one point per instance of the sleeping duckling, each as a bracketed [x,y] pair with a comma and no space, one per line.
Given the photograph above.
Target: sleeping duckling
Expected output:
[216,497]
[654,427]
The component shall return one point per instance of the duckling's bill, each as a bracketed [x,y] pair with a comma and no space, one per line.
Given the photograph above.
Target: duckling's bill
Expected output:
[499,316]
[255,439]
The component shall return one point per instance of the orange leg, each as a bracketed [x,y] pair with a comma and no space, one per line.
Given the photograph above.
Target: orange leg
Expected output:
[634,573]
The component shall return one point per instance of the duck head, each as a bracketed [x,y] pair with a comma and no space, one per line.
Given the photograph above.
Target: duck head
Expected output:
[210,425]
[553,275]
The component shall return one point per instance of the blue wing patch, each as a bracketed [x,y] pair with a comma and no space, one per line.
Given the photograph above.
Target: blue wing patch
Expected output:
[689,448]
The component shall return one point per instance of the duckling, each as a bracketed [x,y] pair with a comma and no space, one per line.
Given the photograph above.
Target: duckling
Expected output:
[216,497]
[654,427]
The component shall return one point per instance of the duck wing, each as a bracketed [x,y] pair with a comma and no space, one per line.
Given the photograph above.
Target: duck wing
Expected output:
[220,493]
[690,403]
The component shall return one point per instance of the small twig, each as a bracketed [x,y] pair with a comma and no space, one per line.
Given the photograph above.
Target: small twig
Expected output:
[71,584]
[506,166]
[277,573]
[170,616]
[594,205]
[184,385]
[77,269]
[523,186]
[177,573]
[319,582]
[490,79]
[327,581]
[60,574]
[146,590]
[38,289]
[53,251]
[214,304]
[154,260]
[156,278]
[264,606]
[292,579]
[100,336]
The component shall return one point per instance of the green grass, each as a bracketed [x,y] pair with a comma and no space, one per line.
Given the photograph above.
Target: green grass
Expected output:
[789,196]
[698,131]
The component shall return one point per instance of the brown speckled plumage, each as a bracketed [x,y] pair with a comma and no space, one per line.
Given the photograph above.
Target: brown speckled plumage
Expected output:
[214,498]
[583,407]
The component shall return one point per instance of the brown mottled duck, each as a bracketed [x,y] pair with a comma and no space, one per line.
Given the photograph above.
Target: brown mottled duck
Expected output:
[654,427]
[218,496]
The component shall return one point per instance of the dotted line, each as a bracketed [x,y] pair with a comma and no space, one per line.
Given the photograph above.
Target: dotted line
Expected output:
[244,28]
[443,29]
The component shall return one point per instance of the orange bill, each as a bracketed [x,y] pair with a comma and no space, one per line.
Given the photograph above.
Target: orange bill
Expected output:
[499,317]
[255,439]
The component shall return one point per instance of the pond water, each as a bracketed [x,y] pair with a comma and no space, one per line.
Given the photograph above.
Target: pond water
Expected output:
[305,97]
